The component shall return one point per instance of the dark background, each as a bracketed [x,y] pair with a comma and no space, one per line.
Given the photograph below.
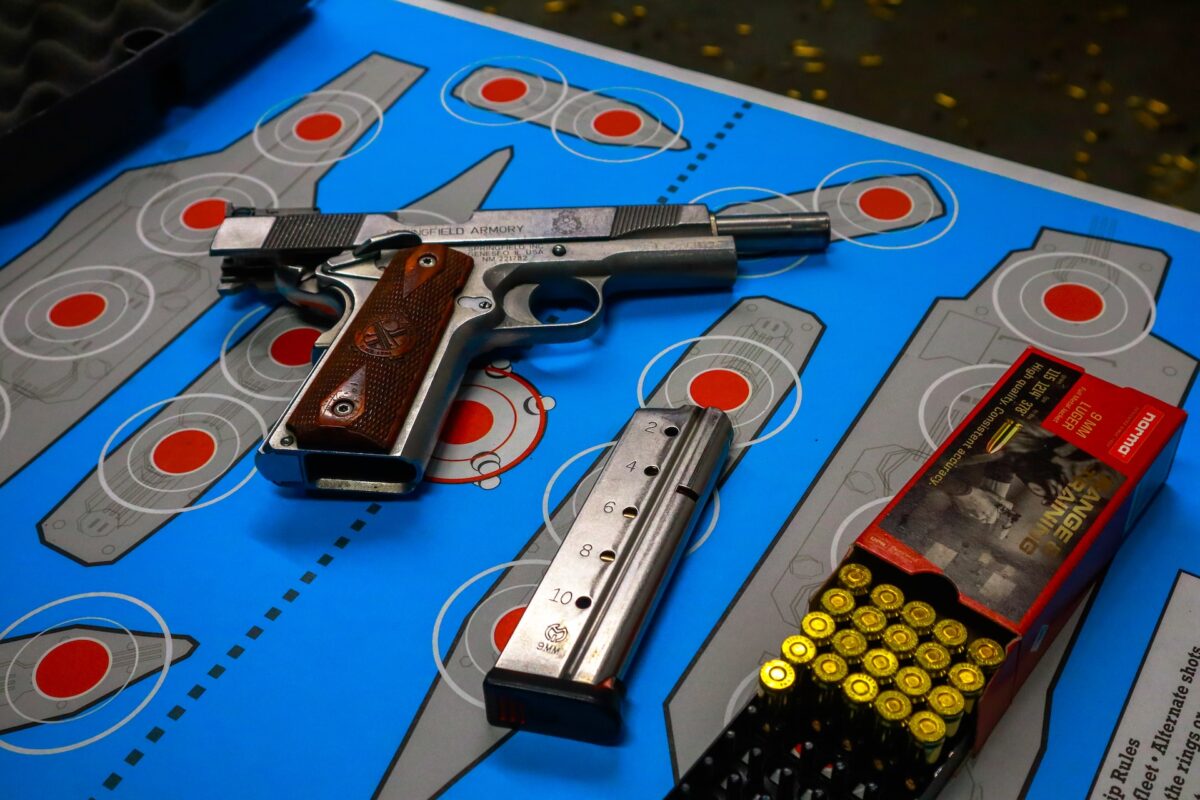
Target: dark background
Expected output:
[1103,92]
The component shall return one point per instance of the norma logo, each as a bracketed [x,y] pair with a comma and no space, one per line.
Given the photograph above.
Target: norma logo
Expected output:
[1129,441]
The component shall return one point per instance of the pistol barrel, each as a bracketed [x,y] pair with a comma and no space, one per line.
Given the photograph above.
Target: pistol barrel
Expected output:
[772,233]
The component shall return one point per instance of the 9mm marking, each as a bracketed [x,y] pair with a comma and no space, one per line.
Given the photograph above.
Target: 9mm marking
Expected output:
[562,669]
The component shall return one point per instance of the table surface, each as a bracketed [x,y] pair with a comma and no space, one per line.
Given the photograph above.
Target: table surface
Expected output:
[175,625]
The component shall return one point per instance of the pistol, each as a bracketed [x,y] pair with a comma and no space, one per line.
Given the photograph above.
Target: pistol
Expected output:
[412,304]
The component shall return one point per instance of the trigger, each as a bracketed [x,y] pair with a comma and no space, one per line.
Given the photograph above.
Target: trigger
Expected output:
[517,305]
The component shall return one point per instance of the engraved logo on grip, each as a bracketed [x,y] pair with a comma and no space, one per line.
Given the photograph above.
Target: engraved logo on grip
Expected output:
[385,336]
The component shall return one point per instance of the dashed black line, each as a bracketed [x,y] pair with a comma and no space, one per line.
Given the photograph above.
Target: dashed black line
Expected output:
[717,137]
[236,651]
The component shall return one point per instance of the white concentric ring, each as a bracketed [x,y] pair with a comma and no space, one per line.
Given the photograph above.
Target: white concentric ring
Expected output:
[16,300]
[554,478]
[1048,310]
[51,304]
[223,361]
[834,555]
[139,226]
[474,448]
[283,107]
[950,423]
[1103,306]
[168,655]
[5,412]
[492,632]
[732,707]
[73,717]
[950,192]
[256,337]
[924,403]
[37,664]
[186,198]
[437,623]
[177,509]
[133,448]
[579,495]
[1152,305]
[858,204]
[315,147]
[466,636]
[554,129]
[492,62]
[750,395]
[795,376]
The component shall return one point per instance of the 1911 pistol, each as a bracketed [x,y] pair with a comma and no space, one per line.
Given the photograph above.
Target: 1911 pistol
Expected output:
[413,304]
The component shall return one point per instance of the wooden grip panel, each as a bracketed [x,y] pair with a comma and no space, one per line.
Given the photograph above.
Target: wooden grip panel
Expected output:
[365,384]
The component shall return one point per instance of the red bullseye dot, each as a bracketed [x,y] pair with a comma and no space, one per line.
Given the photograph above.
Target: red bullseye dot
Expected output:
[469,421]
[719,388]
[506,625]
[317,127]
[885,203]
[77,310]
[72,668]
[184,451]
[294,348]
[1073,302]
[204,215]
[504,90]
[617,122]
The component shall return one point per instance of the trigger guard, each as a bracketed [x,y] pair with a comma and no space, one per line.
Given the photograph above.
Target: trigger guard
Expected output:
[519,302]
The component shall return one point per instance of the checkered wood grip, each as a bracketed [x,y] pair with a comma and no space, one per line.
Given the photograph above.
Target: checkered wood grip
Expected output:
[365,384]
